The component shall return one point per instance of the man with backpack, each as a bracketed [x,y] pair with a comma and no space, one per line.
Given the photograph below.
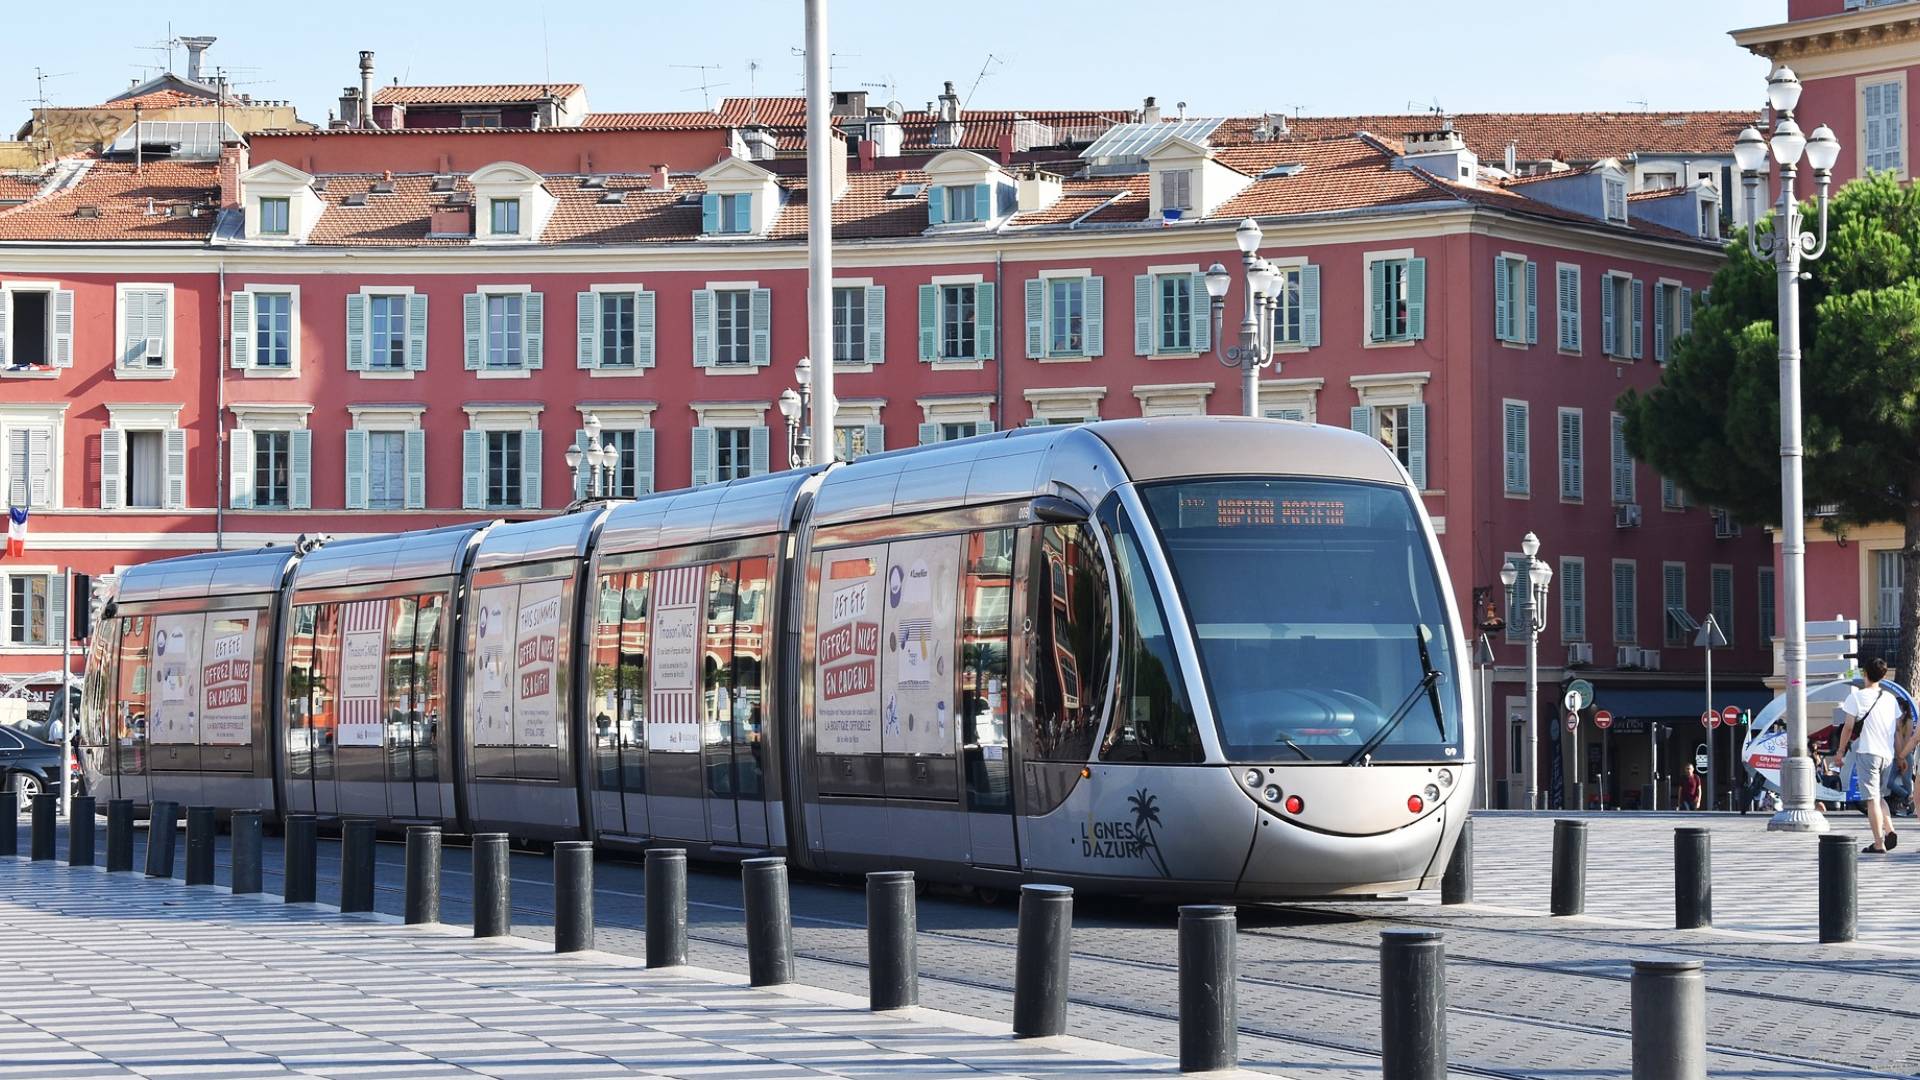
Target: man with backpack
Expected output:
[1876,714]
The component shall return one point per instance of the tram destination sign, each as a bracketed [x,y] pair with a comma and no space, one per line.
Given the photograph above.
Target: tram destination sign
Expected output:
[1202,509]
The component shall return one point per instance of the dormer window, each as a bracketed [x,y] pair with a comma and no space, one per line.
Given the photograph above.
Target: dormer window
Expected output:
[742,199]
[967,189]
[505,217]
[727,215]
[275,215]
[964,203]
[510,204]
[1616,198]
[1176,189]
[1709,220]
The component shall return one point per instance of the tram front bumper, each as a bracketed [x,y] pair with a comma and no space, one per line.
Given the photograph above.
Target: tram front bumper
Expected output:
[1291,860]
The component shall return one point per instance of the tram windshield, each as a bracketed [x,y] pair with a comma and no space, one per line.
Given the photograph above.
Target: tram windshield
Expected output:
[1317,610]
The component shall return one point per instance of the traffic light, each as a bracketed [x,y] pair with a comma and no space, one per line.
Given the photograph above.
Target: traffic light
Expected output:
[82,606]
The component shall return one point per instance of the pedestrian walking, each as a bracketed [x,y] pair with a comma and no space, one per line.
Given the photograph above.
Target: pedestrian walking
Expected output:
[1876,715]
[1690,788]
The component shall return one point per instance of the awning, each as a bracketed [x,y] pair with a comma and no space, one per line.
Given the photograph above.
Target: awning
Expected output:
[1674,703]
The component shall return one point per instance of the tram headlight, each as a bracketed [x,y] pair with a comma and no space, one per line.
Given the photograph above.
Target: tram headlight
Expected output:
[1253,778]
[1446,778]
[1272,793]
[1432,793]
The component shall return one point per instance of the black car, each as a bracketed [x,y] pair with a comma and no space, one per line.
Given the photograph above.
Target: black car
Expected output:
[29,765]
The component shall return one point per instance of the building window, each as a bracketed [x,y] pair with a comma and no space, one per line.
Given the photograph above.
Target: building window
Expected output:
[961,203]
[732,453]
[1626,618]
[272,330]
[1573,598]
[1066,316]
[1672,320]
[1176,313]
[1399,297]
[1881,121]
[850,324]
[733,327]
[386,470]
[479,119]
[1720,582]
[1567,280]
[273,216]
[1514,298]
[30,465]
[1616,195]
[959,336]
[1622,462]
[144,322]
[1658,181]
[30,609]
[1888,577]
[1391,423]
[271,474]
[1289,315]
[965,429]
[1518,478]
[616,330]
[1573,468]
[1709,220]
[1673,597]
[736,214]
[1621,315]
[506,326]
[849,442]
[1176,189]
[1671,497]
[145,479]
[387,326]
[1766,604]
[29,329]
[506,217]
[504,470]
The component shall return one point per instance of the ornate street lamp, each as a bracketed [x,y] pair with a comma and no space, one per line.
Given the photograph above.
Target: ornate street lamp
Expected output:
[601,460]
[1255,350]
[1529,607]
[795,405]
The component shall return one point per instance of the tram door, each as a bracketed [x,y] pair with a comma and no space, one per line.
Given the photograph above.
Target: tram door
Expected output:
[617,703]
[414,674]
[986,638]
[733,674]
[312,641]
[677,731]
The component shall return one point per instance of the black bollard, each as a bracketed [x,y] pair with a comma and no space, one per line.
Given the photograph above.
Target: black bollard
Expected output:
[572,896]
[1413,1005]
[80,824]
[1209,1007]
[45,808]
[1669,1020]
[10,823]
[303,853]
[356,865]
[893,966]
[1456,885]
[1692,878]
[1569,867]
[163,823]
[119,836]
[1043,948]
[423,874]
[492,900]
[244,825]
[1839,898]
[666,907]
[763,883]
[199,845]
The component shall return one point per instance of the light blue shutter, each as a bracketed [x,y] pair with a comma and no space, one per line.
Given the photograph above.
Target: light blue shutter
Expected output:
[1568,304]
[1533,302]
[112,471]
[473,470]
[300,470]
[703,455]
[1659,327]
[242,329]
[1144,322]
[476,318]
[703,328]
[1609,339]
[1417,445]
[530,469]
[743,214]
[534,328]
[876,324]
[1622,461]
[759,451]
[1036,318]
[6,331]
[709,214]
[57,586]
[1202,306]
[580,477]
[983,427]
[1416,299]
[62,328]
[358,443]
[1377,296]
[415,452]
[1310,305]
[874,439]
[356,332]
[1360,419]
[643,462]
[1502,299]
[986,327]
[175,442]
[1572,473]
[937,206]
[1686,311]
[587,330]
[1096,309]
[1639,305]
[240,468]
[417,332]
[929,434]
[645,327]
[1515,447]
[929,322]
[762,318]
[982,202]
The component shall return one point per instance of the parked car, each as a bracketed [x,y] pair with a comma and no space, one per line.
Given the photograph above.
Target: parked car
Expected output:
[29,765]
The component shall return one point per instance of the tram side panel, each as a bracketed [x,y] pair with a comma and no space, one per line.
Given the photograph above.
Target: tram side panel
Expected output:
[520,775]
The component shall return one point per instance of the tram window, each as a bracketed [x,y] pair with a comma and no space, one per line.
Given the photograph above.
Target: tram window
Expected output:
[749,645]
[131,696]
[96,693]
[605,698]
[322,696]
[985,629]
[635,607]
[1072,641]
[429,667]
[300,692]
[1153,717]
[717,730]
[399,675]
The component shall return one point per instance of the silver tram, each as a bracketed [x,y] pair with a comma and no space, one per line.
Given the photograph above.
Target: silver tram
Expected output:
[1186,657]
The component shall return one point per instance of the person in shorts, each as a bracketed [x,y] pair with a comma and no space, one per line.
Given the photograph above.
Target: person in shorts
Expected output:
[1875,713]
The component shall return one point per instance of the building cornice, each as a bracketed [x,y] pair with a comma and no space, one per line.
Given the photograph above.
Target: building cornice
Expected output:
[1832,35]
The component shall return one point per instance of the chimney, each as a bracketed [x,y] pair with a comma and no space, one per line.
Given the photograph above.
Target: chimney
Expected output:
[549,112]
[837,145]
[760,143]
[1442,152]
[1150,111]
[660,182]
[196,48]
[868,151]
[849,103]
[233,162]
[1005,145]
[948,131]
[366,89]
[350,106]
[1513,156]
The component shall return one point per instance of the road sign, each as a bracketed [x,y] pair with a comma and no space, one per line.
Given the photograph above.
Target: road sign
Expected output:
[1602,719]
[1730,716]
[1573,720]
[1571,702]
[1700,759]
[1709,720]
[1583,689]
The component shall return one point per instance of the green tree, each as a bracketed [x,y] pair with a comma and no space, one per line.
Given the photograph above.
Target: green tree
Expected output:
[1713,423]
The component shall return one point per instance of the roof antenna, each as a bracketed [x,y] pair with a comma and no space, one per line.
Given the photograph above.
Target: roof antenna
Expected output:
[1645,106]
[978,79]
[705,87]
[753,94]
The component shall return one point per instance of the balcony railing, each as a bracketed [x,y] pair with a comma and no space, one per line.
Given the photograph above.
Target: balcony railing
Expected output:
[1883,642]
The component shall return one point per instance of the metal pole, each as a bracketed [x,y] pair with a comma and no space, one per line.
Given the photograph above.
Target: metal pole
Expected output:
[1456,884]
[66,704]
[820,152]
[302,851]
[45,806]
[1250,384]
[1413,1005]
[573,896]
[1569,867]
[1484,752]
[893,965]
[423,874]
[1606,767]
[163,819]
[245,827]
[666,907]
[1839,888]
[356,865]
[1692,878]
[200,827]
[1042,952]
[119,835]
[1669,1000]
[1209,1009]
[1708,802]
[763,884]
[492,903]
[1533,689]
[80,824]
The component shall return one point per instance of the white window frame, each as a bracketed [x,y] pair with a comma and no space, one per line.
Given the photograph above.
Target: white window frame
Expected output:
[369,292]
[55,580]
[251,369]
[962,363]
[962,409]
[50,369]
[1287,265]
[1173,399]
[1613,191]
[1066,403]
[1514,265]
[1624,338]
[389,419]
[153,418]
[120,369]
[519,417]
[32,417]
[637,368]
[1904,170]
[1198,299]
[866,363]
[1392,390]
[1293,395]
[486,370]
[282,417]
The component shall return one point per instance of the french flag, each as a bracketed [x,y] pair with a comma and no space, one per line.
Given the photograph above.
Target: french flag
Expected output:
[16,531]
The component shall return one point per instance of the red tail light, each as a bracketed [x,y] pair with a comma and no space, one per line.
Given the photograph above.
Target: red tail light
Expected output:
[1415,804]
[1295,804]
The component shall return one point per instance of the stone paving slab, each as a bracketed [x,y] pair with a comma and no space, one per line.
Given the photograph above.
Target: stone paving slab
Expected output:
[124,976]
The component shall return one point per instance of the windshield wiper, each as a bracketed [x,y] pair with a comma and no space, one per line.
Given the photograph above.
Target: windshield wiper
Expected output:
[1294,746]
[1429,679]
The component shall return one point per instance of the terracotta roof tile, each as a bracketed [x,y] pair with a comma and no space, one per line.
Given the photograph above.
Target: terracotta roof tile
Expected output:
[1335,174]
[109,203]
[472,94]
[771,111]
[1078,198]
[167,98]
[654,121]
[1540,136]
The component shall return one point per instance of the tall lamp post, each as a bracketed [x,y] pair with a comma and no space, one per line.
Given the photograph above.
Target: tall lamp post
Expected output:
[1529,606]
[1255,350]
[1786,245]
[795,405]
[600,458]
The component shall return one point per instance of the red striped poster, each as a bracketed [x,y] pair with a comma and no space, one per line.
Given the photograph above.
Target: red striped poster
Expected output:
[363,646]
[673,709]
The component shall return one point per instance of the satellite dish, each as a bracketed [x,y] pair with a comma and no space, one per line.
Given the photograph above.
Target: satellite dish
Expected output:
[895,110]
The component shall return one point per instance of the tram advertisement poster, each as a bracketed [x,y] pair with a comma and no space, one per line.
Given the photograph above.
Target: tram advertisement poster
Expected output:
[226,681]
[175,714]
[536,652]
[916,685]
[847,652]
[493,665]
[673,704]
[363,647]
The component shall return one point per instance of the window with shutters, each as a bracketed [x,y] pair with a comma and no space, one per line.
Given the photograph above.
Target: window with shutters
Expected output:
[1671,495]
[965,429]
[1766,605]
[736,214]
[505,470]
[387,331]
[1720,582]
[386,470]
[145,318]
[732,453]
[1396,299]
[849,441]
[624,482]
[27,324]
[850,324]
[1883,126]
[1514,296]
[1672,317]
[1176,189]
[271,469]
[1567,307]
[1623,486]
[1066,317]
[274,216]
[733,327]
[31,606]
[1620,314]
[1573,598]
[506,341]
[1573,466]
[1888,576]
[959,334]
[616,330]
[1519,481]
[31,465]
[145,470]
[1673,599]
[1392,423]
[962,203]
[505,217]
[1289,314]
[1626,614]
[1174,296]
[272,331]
[1616,198]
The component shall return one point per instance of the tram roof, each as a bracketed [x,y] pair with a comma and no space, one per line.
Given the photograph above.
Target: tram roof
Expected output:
[393,557]
[563,537]
[1163,448]
[215,573]
[748,507]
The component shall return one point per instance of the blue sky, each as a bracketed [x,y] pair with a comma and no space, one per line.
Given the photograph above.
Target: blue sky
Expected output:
[1315,56]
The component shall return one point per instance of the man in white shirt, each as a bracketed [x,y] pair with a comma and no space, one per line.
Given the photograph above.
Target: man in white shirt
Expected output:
[1877,714]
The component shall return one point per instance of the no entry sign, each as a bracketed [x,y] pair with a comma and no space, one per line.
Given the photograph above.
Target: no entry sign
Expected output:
[1709,719]
[1602,719]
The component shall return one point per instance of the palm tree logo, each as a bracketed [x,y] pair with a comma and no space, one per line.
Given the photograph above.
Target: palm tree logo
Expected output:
[1146,815]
